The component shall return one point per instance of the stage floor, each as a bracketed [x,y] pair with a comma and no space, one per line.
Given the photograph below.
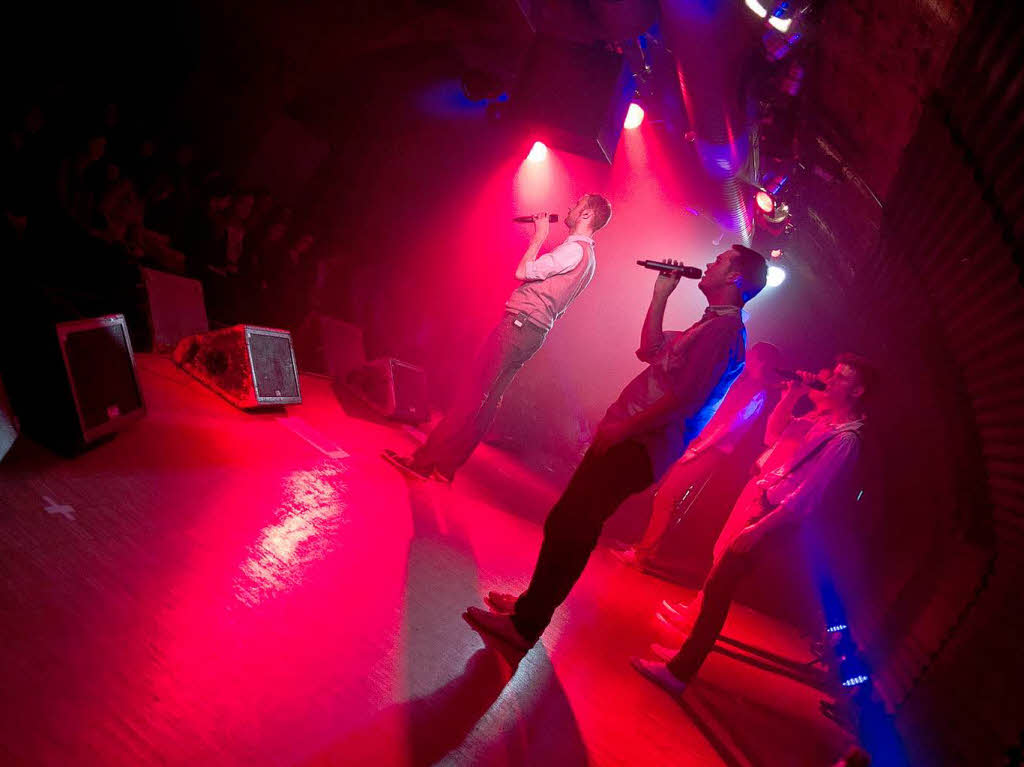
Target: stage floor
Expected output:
[216,587]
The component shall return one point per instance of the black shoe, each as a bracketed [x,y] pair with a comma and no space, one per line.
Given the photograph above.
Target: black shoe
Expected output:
[500,626]
[440,476]
[504,604]
[405,463]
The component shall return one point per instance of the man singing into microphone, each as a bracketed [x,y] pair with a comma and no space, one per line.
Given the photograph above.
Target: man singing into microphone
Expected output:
[643,433]
[551,283]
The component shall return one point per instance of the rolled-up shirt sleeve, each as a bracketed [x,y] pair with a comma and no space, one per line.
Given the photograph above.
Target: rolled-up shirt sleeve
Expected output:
[651,354]
[562,259]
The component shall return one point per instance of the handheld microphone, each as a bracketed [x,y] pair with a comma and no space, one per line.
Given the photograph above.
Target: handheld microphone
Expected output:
[692,272]
[789,375]
[553,218]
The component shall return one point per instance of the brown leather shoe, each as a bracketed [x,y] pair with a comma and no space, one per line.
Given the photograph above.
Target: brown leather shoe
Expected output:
[500,626]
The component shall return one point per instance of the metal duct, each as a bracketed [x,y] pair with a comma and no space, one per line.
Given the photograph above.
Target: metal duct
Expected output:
[625,19]
[709,40]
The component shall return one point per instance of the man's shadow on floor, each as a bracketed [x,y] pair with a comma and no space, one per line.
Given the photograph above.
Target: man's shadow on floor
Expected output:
[478,715]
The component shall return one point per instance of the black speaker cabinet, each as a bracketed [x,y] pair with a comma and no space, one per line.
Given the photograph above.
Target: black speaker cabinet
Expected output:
[573,96]
[249,366]
[76,383]
[394,389]
[8,424]
[174,308]
[329,346]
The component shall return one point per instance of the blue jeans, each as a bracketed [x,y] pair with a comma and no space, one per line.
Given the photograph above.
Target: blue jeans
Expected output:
[505,351]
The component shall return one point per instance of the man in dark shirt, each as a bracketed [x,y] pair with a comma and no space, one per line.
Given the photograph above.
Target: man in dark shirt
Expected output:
[642,434]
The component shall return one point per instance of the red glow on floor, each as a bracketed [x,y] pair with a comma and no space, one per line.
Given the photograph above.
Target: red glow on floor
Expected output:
[228,594]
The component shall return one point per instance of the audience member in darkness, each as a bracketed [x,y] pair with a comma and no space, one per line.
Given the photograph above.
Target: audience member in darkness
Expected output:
[292,284]
[80,183]
[112,127]
[144,166]
[264,253]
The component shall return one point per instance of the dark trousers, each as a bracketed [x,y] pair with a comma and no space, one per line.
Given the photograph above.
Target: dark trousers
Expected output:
[599,486]
[505,351]
[719,589]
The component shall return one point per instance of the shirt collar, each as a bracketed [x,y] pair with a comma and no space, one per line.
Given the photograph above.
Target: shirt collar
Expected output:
[724,311]
[580,238]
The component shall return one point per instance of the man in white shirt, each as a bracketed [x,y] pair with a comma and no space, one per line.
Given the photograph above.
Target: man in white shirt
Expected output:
[551,282]
[819,472]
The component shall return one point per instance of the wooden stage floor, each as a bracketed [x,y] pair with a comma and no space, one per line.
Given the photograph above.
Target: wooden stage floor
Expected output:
[216,587]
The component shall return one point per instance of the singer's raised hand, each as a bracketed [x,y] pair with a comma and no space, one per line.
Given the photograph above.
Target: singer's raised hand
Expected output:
[667,281]
[541,226]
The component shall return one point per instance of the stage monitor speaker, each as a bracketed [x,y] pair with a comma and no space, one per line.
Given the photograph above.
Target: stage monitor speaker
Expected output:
[74,386]
[249,366]
[328,346]
[174,308]
[573,96]
[8,424]
[394,389]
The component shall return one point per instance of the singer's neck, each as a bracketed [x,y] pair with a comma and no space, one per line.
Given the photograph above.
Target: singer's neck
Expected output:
[843,413]
[582,230]
[725,296]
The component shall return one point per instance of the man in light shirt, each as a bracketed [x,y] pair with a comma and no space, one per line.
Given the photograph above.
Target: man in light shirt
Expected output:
[551,282]
[820,472]
[643,433]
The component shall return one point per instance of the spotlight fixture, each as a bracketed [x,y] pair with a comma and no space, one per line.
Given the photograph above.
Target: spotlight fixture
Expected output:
[634,117]
[765,202]
[538,152]
[777,14]
[776,276]
[757,8]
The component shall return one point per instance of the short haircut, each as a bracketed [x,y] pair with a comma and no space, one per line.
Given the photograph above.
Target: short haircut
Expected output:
[602,210]
[753,269]
[867,373]
[768,353]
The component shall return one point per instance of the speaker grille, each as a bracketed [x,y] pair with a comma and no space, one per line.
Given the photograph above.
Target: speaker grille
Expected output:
[101,369]
[273,365]
[410,385]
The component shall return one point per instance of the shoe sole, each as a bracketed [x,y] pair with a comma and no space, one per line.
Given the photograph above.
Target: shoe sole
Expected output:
[655,679]
[392,457]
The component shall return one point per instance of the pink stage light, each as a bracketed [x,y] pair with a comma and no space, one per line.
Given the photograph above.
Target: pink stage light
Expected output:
[634,117]
[765,202]
[538,153]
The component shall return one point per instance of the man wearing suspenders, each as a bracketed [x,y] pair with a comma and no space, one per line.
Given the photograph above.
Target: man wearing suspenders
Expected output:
[551,282]
[819,473]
